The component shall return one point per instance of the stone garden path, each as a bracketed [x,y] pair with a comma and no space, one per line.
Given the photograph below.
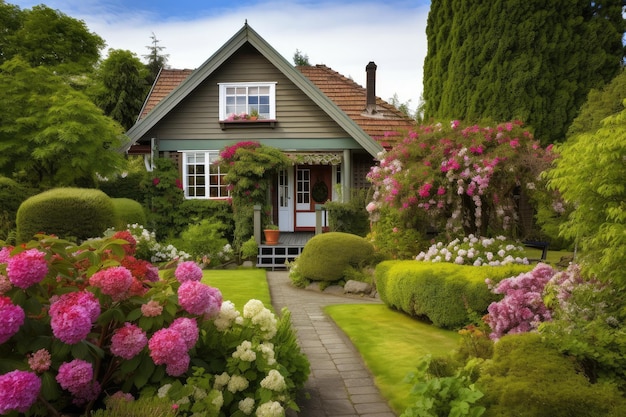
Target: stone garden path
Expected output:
[339,385]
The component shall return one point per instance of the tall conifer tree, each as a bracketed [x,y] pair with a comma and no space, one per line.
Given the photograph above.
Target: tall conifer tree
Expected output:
[530,60]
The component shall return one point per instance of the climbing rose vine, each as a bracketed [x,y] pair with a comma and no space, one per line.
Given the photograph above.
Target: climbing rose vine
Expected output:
[464,179]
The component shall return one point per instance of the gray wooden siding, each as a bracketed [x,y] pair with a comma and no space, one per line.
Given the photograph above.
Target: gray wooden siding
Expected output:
[298,117]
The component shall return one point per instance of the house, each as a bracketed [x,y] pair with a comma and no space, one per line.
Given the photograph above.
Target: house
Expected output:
[331,127]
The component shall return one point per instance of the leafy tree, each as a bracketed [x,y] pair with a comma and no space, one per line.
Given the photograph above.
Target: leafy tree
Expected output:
[48,37]
[10,21]
[531,60]
[51,134]
[156,59]
[589,174]
[300,59]
[121,86]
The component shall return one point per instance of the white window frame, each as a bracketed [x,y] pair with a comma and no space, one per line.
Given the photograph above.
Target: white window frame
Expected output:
[209,158]
[271,115]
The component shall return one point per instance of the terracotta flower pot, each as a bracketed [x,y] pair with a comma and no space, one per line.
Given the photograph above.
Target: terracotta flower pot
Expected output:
[271,236]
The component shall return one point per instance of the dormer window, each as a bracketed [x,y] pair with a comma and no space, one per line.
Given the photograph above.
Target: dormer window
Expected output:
[238,99]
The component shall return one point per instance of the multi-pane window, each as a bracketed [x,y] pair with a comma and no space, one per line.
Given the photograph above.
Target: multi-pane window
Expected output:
[245,98]
[202,177]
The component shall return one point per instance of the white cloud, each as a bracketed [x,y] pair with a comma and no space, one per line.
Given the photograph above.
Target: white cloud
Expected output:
[344,37]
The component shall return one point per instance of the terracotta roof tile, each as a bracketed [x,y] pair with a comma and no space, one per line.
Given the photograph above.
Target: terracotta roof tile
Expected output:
[166,82]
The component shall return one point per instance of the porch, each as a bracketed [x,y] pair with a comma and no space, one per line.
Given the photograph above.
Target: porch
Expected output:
[289,246]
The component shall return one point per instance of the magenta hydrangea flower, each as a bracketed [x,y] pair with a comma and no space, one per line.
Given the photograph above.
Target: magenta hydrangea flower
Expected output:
[18,391]
[5,253]
[188,329]
[27,268]
[198,298]
[11,316]
[74,376]
[72,315]
[128,341]
[188,271]
[113,281]
[40,361]
[168,347]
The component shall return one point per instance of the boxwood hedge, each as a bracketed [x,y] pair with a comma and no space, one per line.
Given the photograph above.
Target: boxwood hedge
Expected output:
[443,293]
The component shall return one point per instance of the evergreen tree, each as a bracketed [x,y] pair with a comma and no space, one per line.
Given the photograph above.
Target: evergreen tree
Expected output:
[532,60]
[156,59]
[121,86]
[300,59]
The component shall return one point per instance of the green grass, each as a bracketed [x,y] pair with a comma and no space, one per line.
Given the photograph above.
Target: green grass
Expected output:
[240,285]
[391,343]
[552,257]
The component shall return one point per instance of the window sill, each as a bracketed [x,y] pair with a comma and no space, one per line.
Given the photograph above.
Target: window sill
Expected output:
[247,124]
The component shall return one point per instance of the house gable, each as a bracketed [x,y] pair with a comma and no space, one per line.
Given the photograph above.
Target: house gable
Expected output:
[305,112]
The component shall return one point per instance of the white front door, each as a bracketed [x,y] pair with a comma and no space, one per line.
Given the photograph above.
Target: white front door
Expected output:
[285,200]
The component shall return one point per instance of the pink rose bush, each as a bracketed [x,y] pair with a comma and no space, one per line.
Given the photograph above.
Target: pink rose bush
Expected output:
[461,179]
[91,320]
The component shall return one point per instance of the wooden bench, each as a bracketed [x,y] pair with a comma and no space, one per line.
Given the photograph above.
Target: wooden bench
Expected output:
[538,245]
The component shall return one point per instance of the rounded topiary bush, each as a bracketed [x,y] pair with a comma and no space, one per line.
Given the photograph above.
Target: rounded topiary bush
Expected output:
[128,211]
[79,213]
[326,256]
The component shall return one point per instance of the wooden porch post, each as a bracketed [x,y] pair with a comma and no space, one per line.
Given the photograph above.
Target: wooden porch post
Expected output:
[257,223]
[346,176]
[319,208]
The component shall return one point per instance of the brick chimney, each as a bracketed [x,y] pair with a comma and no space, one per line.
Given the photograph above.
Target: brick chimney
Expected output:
[370,104]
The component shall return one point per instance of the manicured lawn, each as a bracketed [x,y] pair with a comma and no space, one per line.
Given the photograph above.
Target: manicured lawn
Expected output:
[552,257]
[240,285]
[391,343]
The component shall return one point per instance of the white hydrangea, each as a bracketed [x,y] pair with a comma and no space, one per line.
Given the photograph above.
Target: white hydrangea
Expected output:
[162,392]
[237,383]
[267,349]
[270,409]
[227,316]
[274,381]
[218,400]
[221,381]
[247,405]
[261,317]
[244,352]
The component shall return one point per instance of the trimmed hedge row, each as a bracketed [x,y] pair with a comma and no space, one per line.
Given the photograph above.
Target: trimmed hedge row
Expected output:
[128,211]
[444,293]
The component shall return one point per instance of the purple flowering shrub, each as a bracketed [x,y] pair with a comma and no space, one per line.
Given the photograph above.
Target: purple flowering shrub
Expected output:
[83,322]
[522,308]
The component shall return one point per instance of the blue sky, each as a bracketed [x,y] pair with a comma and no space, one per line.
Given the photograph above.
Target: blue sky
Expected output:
[343,35]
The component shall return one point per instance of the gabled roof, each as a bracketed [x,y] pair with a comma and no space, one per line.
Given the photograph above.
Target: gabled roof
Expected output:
[342,99]
[351,98]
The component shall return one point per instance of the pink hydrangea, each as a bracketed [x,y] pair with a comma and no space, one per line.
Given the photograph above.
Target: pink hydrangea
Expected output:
[114,281]
[27,268]
[18,391]
[151,309]
[198,298]
[11,316]
[188,271]
[128,341]
[5,253]
[40,361]
[188,329]
[168,347]
[75,376]
[72,315]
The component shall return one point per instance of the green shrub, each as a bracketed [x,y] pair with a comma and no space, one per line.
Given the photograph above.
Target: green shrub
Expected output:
[443,293]
[204,241]
[395,238]
[125,187]
[80,213]
[249,249]
[528,378]
[128,211]
[326,256]
[350,217]
[195,210]
[142,407]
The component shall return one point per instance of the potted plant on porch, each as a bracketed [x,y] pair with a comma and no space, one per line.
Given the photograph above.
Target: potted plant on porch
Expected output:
[272,234]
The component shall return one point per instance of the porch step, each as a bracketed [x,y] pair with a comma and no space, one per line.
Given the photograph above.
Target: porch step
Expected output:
[275,256]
